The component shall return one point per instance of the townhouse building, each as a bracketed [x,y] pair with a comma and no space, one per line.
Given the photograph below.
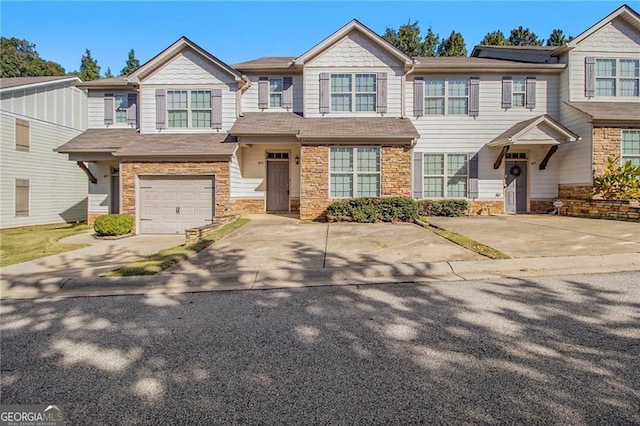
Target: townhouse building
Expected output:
[187,137]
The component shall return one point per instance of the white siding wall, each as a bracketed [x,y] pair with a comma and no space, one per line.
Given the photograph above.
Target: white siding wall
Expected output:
[96,110]
[187,70]
[464,134]
[99,192]
[58,188]
[354,53]
[576,158]
[614,40]
[249,170]
[250,97]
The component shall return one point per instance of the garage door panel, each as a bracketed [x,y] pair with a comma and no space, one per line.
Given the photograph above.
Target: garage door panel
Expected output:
[162,195]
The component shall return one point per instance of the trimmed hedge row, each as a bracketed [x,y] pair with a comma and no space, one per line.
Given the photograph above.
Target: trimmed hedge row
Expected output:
[391,209]
[113,224]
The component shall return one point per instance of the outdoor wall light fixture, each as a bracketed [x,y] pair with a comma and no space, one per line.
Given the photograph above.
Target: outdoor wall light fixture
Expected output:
[297,161]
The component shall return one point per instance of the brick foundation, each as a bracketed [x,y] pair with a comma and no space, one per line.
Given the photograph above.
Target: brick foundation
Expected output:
[129,171]
[575,192]
[541,206]
[486,208]
[91,217]
[248,206]
[628,210]
[314,174]
[295,205]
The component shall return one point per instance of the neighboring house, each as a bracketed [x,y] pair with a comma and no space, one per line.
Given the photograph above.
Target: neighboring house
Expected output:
[187,137]
[38,186]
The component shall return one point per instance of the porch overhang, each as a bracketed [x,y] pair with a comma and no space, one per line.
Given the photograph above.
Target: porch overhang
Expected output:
[538,131]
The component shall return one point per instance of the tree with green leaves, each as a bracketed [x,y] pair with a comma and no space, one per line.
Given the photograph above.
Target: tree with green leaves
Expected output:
[19,58]
[557,38]
[430,45]
[496,38]
[406,38]
[452,46]
[108,74]
[131,65]
[89,68]
[524,37]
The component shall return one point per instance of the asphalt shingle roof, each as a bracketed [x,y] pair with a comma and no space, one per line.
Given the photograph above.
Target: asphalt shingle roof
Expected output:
[623,111]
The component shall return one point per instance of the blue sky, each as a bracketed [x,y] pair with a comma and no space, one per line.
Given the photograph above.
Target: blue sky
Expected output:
[243,30]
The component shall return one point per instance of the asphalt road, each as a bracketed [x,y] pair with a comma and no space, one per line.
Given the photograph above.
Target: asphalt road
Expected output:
[553,350]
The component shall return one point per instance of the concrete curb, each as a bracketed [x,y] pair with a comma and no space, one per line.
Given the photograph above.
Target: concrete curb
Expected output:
[297,278]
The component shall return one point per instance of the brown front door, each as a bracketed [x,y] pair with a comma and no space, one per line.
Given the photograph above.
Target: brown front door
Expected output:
[277,186]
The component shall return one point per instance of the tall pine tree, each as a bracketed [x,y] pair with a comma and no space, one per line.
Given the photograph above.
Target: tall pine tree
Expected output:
[452,46]
[89,69]
[132,64]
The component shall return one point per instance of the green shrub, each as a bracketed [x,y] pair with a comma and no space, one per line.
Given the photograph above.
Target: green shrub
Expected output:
[618,182]
[113,224]
[373,209]
[449,208]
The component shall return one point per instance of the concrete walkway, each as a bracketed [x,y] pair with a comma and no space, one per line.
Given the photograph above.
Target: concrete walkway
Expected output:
[100,257]
[521,236]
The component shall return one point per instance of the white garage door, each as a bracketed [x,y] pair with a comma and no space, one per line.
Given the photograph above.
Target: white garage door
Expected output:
[171,204]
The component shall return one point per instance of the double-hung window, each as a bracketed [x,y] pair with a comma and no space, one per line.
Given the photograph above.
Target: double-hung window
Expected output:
[631,146]
[347,96]
[519,96]
[446,95]
[445,175]
[617,77]
[354,172]
[275,92]
[189,108]
[121,104]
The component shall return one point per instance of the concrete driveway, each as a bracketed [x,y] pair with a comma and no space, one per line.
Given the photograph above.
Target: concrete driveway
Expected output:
[547,235]
[100,257]
[277,242]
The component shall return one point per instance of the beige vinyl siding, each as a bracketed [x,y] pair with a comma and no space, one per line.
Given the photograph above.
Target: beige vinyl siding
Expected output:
[353,54]
[250,178]
[614,40]
[189,67]
[464,134]
[96,109]
[250,97]
[60,103]
[57,186]
[576,158]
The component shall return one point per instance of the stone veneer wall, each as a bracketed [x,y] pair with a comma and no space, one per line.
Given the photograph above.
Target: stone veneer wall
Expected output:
[486,208]
[575,192]
[314,171]
[129,171]
[248,206]
[607,142]
[611,209]
[541,206]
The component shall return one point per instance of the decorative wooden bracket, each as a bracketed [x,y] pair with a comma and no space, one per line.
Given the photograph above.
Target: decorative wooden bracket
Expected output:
[90,175]
[498,162]
[552,150]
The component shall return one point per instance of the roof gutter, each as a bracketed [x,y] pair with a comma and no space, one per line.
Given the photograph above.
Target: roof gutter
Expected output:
[403,110]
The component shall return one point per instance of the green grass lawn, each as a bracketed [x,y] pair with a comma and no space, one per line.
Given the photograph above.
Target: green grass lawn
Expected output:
[469,244]
[164,259]
[19,245]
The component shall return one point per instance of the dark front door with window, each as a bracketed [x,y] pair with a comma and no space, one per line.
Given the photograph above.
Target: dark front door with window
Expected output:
[277,186]
[516,190]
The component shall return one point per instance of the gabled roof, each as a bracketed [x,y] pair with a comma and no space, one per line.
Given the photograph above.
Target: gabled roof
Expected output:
[105,82]
[624,12]
[609,111]
[517,134]
[170,52]
[26,82]
[354,25]
[266,124]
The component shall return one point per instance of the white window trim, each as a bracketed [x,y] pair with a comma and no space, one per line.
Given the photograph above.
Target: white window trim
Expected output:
[615,77]
[355,172]
[281,93]
[623,157]
[353,91]
[444,176]
[446,96]
[116,109]
[189,109]
[514,92]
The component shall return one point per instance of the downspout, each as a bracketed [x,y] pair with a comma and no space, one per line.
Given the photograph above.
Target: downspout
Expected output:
[244,85]
[403,95]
